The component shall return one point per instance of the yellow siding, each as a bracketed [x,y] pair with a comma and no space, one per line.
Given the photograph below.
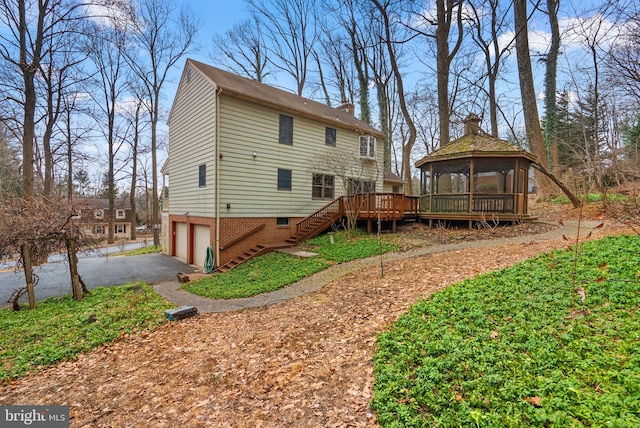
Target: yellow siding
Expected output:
[249,184]
[192,143]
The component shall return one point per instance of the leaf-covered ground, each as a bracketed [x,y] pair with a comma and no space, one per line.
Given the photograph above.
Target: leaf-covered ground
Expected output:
[303,362]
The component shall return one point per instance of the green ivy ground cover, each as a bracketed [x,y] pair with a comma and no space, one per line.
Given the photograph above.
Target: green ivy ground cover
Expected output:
[508,349]
[276,270]
[60,329]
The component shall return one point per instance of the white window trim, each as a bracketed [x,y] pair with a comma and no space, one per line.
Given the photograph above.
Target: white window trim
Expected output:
[369,151]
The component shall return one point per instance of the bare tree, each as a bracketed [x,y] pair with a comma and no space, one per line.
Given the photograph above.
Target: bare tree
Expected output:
[355,176]
[448,13]
[527,91]
[485,32]
[32,29]
[105,47]
[159,42]
[292,30]
[384,9]
[243,50]
[550,80]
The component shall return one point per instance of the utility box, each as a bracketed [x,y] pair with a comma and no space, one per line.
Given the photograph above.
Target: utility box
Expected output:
[180,313]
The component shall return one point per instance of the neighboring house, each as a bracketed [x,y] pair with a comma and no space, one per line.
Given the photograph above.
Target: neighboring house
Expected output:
[92,215]
[247,162]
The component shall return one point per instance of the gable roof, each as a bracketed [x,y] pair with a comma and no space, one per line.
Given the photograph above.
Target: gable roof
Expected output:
[254,91]
[102,203]
[390,177]
[476,145]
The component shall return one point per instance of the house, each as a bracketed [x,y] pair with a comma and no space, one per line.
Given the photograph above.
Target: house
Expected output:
[475,177]
[248,163]
[92,215]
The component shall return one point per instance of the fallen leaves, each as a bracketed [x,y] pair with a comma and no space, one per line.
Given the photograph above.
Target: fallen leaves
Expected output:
[302,362]
[536,401]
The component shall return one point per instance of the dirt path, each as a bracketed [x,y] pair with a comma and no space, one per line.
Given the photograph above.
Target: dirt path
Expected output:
[302,362]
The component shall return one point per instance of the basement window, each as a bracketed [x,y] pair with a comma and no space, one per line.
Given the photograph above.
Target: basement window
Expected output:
[282,221]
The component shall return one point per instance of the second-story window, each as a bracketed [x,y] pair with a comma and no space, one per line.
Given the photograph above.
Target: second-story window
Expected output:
[286,130]
[367,147]
[330,136]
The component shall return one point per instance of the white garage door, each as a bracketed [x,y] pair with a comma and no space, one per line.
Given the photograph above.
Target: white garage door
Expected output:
[201,237]
[181,241]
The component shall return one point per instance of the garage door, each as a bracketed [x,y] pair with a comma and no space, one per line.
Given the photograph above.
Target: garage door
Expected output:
[181,241]
[201,240]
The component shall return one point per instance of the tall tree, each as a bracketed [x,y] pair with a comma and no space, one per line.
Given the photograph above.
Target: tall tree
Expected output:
[550,80]
[384,10]
[32,27]
[105,47]
[160,38]
[291,27]
[528,93]
[486,32]
[243,50]
[448,13]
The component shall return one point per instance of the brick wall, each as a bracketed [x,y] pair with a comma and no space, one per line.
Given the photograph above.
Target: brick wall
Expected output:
[230,230]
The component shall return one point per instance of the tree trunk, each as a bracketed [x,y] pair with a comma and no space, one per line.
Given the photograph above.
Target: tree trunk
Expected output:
[76,291]
[28,274]
[408,146]
[442,70]
[551,123]
[528,93]
[574,200]
[154,172]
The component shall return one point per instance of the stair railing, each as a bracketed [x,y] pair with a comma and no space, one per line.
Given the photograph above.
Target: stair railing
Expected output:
[319,220]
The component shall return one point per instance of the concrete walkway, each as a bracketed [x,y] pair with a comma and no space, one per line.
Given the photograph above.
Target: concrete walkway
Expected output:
[172,292]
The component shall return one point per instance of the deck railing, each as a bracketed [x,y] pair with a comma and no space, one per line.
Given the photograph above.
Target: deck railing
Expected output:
[386,206]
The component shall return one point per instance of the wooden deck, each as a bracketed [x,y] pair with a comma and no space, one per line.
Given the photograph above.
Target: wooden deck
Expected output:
[384,206]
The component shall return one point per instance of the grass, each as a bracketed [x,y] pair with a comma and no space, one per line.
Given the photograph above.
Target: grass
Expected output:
[591,197]
[60,329]
[508,348]
[277,270]
[149,249]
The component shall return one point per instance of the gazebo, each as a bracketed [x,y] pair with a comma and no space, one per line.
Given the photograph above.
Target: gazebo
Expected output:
[475,178]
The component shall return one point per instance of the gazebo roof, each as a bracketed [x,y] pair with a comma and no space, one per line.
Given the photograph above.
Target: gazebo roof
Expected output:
[475,143]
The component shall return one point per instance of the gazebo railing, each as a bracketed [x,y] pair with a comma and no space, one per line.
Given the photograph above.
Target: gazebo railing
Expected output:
[502,203]
[459,203]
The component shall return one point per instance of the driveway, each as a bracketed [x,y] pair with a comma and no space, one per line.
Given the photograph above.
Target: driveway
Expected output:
[96,270]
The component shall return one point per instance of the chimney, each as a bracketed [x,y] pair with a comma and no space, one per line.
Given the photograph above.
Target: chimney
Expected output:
[347,107]
[471,125]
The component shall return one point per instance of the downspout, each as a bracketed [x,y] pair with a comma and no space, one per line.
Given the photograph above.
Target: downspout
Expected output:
[217,166]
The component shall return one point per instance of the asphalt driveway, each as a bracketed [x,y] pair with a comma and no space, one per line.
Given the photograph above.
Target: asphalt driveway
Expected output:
[96,270]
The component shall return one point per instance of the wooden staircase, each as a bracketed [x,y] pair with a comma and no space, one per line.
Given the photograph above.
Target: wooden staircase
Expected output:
[307,228]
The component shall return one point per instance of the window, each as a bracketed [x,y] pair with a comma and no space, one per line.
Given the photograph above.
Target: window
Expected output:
[367,147]
[330,136]
[202,176]
[395,189]
[99,214]
[120,214]
[286,130]
[323,186]
[284,179]
[76,215]
[357,186]
[121,228]
[282,221]
[98,230]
